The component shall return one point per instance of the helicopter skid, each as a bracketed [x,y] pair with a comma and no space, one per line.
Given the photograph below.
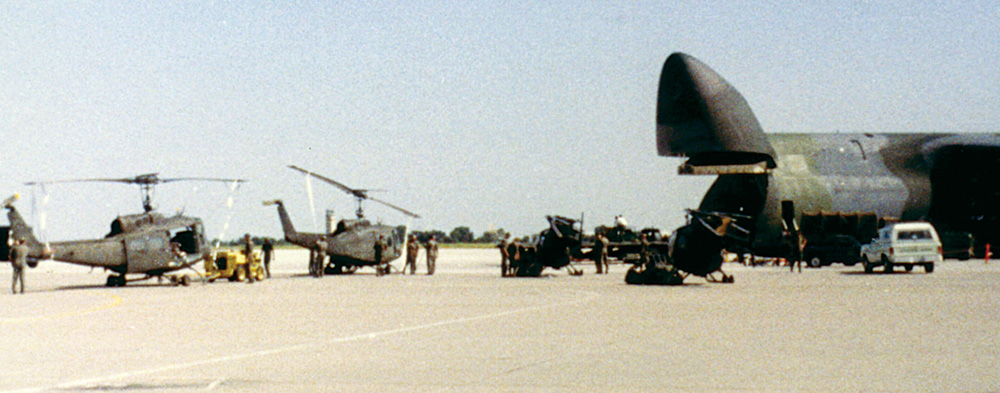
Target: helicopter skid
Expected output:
[119,280]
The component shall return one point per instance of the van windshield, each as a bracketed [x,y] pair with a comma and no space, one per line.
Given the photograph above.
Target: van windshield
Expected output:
[914,235]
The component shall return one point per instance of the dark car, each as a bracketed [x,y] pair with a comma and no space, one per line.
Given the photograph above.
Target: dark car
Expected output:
[825,250]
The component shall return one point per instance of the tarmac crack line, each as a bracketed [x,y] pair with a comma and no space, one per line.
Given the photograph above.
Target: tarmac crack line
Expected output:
[310,345]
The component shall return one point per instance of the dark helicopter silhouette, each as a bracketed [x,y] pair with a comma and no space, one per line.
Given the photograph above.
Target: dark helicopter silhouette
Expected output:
[146,243]
[351,243]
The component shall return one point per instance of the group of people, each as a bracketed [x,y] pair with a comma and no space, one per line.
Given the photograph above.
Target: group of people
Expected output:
[317,257]
[600,255]
[413,251]
[267,254]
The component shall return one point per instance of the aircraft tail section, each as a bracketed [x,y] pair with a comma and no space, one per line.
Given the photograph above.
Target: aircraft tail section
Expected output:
[19,228]
[286,221]
[701,116]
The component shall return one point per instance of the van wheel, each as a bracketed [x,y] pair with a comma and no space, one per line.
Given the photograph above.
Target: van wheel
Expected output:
[887,264]
[929,268]
[869,268]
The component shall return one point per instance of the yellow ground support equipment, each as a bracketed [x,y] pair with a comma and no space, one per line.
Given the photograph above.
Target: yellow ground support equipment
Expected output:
[232,264]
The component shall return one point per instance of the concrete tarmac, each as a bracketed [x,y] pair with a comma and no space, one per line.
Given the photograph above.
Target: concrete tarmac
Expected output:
[466,329]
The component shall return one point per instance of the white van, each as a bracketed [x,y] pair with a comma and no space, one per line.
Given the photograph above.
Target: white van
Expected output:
[907,244]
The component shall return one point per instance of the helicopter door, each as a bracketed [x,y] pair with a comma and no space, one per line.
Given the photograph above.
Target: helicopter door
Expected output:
[149,254]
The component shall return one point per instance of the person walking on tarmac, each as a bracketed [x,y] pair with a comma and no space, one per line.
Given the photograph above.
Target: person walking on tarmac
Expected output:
[432,254]
[504,256]
[412,251]
[18,260]
[268,250]
[248,252]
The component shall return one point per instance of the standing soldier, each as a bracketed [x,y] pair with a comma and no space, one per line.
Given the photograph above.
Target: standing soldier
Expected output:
[268,250]
[644,251]
[320,261]
[504,255]
[412,251]
[794,242]
[432,254]
[18,259]
[248,251]
[601,253]
[379,247]
[312,260]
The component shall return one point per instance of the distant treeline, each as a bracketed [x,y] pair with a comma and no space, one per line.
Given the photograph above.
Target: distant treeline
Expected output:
[457,235]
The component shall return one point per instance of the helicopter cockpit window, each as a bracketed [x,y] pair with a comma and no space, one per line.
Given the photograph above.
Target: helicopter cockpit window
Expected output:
[186,239]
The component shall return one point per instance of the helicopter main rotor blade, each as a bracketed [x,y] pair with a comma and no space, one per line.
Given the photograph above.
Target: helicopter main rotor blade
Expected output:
[145,179]
[358,193]
[142,179]
[202,179]
[404,211]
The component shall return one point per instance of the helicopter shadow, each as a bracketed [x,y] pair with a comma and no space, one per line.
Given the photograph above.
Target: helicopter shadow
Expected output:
[878,273]
[102,286]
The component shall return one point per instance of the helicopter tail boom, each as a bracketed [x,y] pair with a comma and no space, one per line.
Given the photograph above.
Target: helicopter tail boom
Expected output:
[19,228]
[286,221]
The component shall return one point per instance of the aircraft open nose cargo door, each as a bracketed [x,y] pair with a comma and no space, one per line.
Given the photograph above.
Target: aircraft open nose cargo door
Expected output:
[965,188]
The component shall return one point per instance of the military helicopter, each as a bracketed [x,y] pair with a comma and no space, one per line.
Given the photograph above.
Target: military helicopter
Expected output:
[351,243]
[146,243]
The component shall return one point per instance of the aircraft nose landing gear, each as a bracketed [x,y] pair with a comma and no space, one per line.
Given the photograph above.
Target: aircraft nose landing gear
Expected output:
[115,281]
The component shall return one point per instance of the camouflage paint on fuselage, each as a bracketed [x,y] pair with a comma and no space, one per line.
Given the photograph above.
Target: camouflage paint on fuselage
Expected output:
[948,179]
[352,243]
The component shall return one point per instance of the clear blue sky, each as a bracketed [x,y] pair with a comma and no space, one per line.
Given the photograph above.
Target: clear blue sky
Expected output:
[476,114]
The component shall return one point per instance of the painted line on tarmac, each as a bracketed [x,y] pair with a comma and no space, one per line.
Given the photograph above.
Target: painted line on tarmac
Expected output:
[115,302]
[297,347]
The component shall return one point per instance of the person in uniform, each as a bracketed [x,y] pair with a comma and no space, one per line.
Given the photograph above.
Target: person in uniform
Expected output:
[379,247]
[18,260]
[793,243]
[644,251]
[248,252]
[412,251]
[312,260]
[321,246]
[432,254]
[504,255]
[268,249]
[601,253]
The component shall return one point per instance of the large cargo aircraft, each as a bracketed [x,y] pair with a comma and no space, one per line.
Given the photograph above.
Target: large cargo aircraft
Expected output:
[949,179]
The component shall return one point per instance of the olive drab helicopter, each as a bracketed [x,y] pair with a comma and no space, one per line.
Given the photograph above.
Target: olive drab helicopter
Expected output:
[351,244]
[146,243]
